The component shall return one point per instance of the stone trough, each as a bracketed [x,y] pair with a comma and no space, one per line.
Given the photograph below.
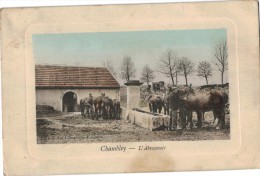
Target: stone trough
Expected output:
[151,121]
[135,115]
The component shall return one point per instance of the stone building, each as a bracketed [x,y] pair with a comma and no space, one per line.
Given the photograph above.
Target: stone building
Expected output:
[62,87]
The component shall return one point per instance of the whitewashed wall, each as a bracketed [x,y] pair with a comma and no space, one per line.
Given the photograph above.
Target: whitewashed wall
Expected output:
[53,97]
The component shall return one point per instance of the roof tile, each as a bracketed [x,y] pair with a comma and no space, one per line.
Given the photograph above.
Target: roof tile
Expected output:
[50,76]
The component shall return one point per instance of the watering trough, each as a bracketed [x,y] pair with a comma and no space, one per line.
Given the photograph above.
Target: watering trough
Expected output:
[151,121]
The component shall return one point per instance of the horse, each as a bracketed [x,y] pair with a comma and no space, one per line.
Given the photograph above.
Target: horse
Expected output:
[107,105]
[155,103]
[201,102]
[116,106]
[98,104]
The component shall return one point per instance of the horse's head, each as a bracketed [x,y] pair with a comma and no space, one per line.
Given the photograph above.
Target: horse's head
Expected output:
[183,94]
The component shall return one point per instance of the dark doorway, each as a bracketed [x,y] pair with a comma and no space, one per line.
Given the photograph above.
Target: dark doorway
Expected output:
[69,102]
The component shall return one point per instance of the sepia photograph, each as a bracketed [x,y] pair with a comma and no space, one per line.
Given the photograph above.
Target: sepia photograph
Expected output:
[132,86]
[128,88]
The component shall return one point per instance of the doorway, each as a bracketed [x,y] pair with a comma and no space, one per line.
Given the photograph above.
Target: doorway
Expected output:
[69,102]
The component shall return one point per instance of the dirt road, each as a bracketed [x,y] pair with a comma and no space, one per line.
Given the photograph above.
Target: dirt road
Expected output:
[72,128]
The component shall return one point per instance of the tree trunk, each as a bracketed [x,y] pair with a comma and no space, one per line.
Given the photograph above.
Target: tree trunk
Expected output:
[222,75]
[207,80]
[176,75]
[186,79]
[172,79]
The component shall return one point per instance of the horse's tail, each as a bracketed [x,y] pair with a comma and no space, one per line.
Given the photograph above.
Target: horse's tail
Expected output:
[225,97]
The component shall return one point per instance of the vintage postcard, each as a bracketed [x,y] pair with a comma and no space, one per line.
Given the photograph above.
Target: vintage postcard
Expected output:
[149,86]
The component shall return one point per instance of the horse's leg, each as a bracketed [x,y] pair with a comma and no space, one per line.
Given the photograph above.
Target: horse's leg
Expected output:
[214,117]
[203,113]
[175,118]
[217,115]
[160,109]
[119,112]
[84,113]
[103,112]
[92,112]
[108,113]
[115,113]
[150,107]
[87,114]
[154,109]
[170,124]
[189,118]
[199,122]
[182,117]
[221,119]
[97,113]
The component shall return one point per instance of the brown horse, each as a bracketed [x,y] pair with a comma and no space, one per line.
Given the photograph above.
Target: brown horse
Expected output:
[155,103]
[107,105]
[98,104]
[201,102]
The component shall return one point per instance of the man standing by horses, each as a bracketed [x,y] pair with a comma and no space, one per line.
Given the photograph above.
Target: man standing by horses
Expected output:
[173,106]
[90,96]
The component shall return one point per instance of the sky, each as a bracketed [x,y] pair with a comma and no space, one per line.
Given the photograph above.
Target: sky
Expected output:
[144,47]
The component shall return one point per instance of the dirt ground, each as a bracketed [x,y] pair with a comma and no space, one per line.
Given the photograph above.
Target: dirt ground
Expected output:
[72,128]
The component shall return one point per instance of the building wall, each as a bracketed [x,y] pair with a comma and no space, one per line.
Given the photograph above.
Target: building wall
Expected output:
[53,97]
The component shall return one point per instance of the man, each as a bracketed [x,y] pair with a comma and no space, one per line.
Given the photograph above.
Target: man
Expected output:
[173,107]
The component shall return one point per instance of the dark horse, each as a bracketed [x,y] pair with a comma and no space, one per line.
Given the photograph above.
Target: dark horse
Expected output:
[103,107]
[98,104]
[107,105]
[155,103]
[117,110]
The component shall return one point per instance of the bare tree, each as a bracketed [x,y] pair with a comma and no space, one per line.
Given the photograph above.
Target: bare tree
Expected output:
[127,68]
[177,71]
[186,67]
[205,70]
[169,64]
[147,74]
[221,57]
[110,67]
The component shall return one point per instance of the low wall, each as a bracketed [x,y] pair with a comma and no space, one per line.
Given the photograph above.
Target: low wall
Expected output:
[149,120]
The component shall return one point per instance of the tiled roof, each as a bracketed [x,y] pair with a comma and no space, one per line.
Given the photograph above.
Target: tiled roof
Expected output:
[49,76]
